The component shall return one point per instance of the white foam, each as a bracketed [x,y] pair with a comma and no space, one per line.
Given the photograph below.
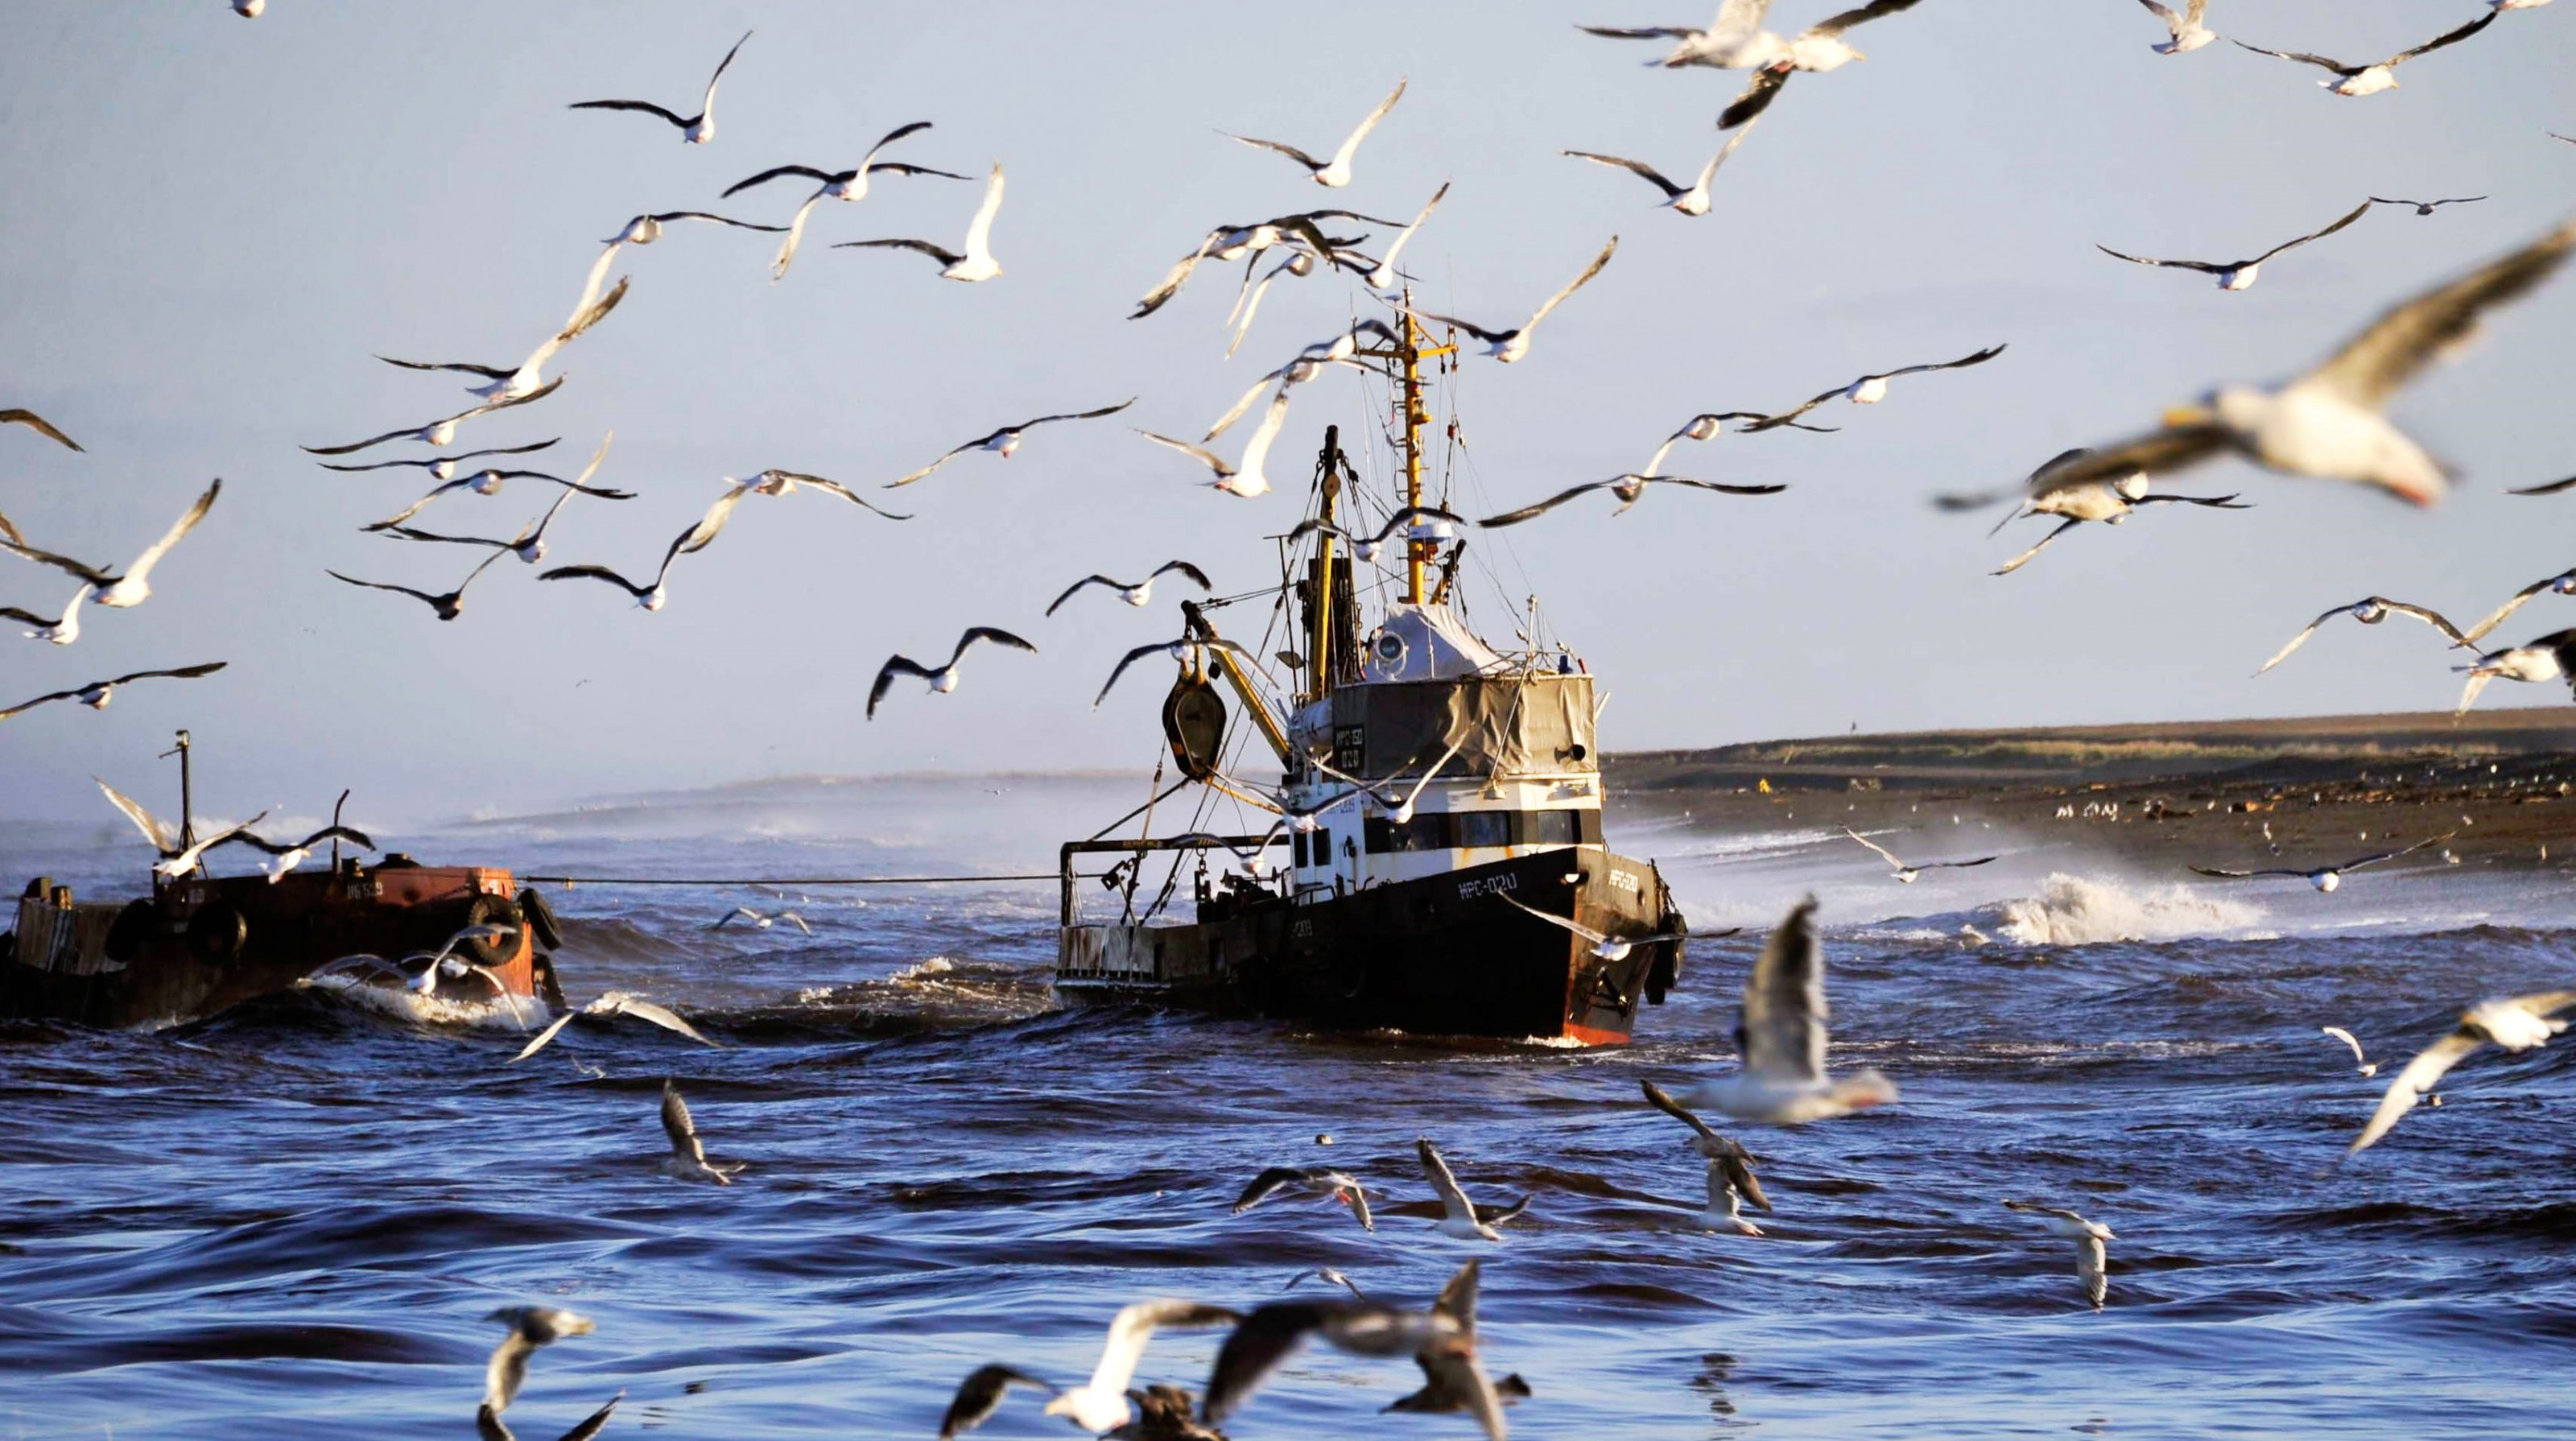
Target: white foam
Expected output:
[2074,911]
[935,966]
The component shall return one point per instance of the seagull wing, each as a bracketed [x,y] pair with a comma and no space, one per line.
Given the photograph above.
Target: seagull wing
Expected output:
[1561,922]
[1076,415]
[1257,449]
[1454,1370]
[407,533]
[1133,656]
[894,666]
[1226,421]
[941,254]
[1955,865]
[1076,588]
[2301,638]
[680,1126]
[644,106]
[1784,1001]
[418,595]
[1196,576]
[2026,557]
[362,444]
[617,1003]
[1406,234]
[488,372]
[2354,214]
[2243,875]
[2413,334]
[986,632]
[1532,512]
[63,563]
[1452,1200]
[1291,151]
[2421,1075]
[2304,58]
[2204,266]
[1173,279]
[2159,452]
[1207,458]
[825,177]
[925,471]
[1721,489]
[44,427]
[979,231]
[1351,146]
[2173,22]
[1571,286]
[597,572]
[1135,1325]
[980,1395]
[1756,97]
[188,672]
[25,706]
[594,1423]
[708,102]
[2431,618]
[1662,1100]
[2453,37]
[843,491]
[2500,613]
[1884,853]
[1642,32]
[1651,175]
[1264,1185]
[1490,337]
[2347,1037]
[2372,860]
[1962,363]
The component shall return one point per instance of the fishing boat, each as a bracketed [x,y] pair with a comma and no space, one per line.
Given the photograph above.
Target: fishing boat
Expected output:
[199,944]
[1438,800]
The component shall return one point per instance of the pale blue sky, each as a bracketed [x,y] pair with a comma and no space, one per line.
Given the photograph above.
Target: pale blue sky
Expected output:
[210,224]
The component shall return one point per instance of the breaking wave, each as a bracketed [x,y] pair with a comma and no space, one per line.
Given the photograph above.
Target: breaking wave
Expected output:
[2073,911]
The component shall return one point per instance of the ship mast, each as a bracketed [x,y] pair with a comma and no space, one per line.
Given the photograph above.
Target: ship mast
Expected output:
[1406,363]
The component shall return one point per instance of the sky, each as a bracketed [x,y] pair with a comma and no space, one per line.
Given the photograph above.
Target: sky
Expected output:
[211,225]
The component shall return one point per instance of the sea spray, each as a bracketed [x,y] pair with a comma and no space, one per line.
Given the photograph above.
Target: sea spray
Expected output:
[2074,911]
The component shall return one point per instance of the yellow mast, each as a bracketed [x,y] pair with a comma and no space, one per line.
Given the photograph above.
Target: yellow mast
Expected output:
[1417,553]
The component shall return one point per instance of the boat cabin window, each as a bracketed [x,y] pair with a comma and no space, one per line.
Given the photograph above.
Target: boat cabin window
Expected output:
[1483,828]
[1456,830]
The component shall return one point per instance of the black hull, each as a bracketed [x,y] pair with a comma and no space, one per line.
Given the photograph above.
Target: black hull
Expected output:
[1439,955]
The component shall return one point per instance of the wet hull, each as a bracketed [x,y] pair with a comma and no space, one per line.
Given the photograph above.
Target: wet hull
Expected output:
[1440,955]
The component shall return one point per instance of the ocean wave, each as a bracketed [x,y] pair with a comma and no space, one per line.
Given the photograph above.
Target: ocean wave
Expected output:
[2074,911]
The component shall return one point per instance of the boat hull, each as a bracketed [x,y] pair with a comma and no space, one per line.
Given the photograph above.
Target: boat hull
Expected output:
[1438,955]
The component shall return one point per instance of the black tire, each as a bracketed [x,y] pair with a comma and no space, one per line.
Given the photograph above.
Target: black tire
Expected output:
[218,933]
[492,911]
[541,920]
[132,930]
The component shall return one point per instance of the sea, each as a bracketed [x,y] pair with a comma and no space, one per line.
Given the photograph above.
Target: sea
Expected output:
[295,1219]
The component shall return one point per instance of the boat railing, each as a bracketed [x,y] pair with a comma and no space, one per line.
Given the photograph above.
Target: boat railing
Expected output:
[1067,864]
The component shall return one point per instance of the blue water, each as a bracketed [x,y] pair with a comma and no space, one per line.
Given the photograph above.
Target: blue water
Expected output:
[291,1221]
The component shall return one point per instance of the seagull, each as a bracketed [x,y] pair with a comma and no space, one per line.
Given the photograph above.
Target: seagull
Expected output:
[644,230]
[2240,274]
[851,184]
[176,859]
[98,693]
[943,679]
[1735,40]
[609,1004]
[1731,1182]
[697,129]
[1382,276]
[2563,583]
[134,586]
[1686,200]
[1908,874]
[448,606]
[1712,424]
[1176,649]
[1007,439]
[528,545]
[1235,242]
[2378,75]
[761,922]
[1510,345]
[1244,477]
[2371,610]
[2187,31]
[1263,1341]
[977,263]
[443,467]
[2324,878]
[2518,1023]
[784,482]
[530,1328]
[489,482]
[1398,811]
[1441,1394]
[2092,1260]
[696,538]
[2552,657]
[1313,1181]
[2427,207]
[1329,1277]
[1781,1033]
[511,382]
[1305,366]
[2368,1067]
[1247,297]
[2100,498]
[980,1395]
[438,432]
[1141,592]
[1602,947]
[1869,389]
[62,630]
[688,1159]
[1628,488]
[45,428]
[1459,1217]
[1418,522]
[1100,1404]
[1819,48]
[291,854]
[1335,172]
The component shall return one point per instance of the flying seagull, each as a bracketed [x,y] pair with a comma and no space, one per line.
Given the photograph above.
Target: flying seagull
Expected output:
[1336,171]
[612,1004]
[2240,274]
[438,432]
[2371,610]
[508,382]
[1137,593]
[1098,1406]
[696,538]
[1231,242]
[2187,33]
[443,467]
[2360,1059]
[1264,1340]
[2328,423]
[2563,583]
[784,482]
[1007,439]
[1782,1035]
[2552,657]
[2092,1259]
[2378,75]
[644,230]
[98,693]
[977,262]
[1382,276]
[287,855]
[1691,199]
[1459,1217]
[1629,488]
[760,922]
[1327,1276]
[176,859]
[2427,207]
[980,1395]
[1731,1182]
[1310,1180]
[696,129]
[40,425]
[2518,1024]
[1442,1392]
[850,184]
[448,605]
[2105,499]
[1417,522]
[61,630]
[1510,345]
[1712,424]
[1819,48]
[134,586]
[530,1328]
[1176,649]
[1244,477]
[1735,40]
[2324,878]
[1602,947]
[688,1159]
[530,544]
[1908,874]
[944,678]
[1869,389]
